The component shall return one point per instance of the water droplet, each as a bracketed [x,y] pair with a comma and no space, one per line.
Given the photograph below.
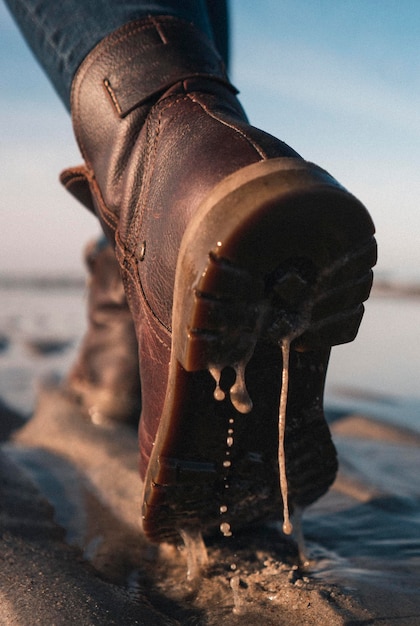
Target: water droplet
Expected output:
[223,508]
[227,463]
[218,393]
[229,441]
[287,527]
[239,394]
[225,529]
[230,431]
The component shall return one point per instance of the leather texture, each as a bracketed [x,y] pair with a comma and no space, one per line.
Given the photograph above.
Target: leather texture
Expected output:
[105,378]
[158,126]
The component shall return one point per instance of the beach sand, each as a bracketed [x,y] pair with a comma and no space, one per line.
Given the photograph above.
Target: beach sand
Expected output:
[70,539]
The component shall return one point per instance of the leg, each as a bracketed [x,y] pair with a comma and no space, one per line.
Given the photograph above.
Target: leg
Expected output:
[103,386]
[231,247]
[61,34]
[219,20]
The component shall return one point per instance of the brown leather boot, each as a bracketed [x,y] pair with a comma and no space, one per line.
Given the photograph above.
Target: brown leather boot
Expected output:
[105,379]
[231,247]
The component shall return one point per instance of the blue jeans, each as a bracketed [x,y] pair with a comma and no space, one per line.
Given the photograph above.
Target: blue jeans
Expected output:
[61,33]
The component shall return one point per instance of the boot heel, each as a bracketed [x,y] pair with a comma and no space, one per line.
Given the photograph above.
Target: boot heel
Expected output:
[278,249]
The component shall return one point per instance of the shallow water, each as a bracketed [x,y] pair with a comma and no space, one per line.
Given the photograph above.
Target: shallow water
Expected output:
[365,534]
[378,374]
[376,541]
[29,318]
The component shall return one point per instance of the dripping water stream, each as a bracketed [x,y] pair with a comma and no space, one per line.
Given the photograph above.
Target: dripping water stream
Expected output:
[194,544]
[197,558]
[242,402]
[225,527]
[285,348]
[238,392]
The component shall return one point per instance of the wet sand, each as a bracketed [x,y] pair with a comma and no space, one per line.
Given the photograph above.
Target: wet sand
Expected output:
[71,545]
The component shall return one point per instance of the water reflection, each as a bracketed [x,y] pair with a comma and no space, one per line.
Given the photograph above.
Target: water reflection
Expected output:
[376,541]
[380,370]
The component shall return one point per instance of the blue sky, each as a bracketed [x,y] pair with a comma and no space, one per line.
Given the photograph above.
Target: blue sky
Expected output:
[339,80]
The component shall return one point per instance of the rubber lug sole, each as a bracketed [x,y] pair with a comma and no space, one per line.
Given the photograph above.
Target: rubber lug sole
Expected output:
[278,249]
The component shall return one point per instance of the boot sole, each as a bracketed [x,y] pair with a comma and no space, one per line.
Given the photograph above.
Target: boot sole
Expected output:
[279,249]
